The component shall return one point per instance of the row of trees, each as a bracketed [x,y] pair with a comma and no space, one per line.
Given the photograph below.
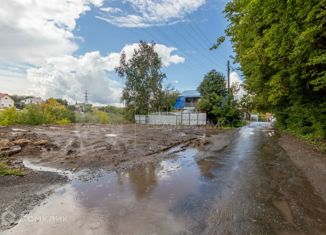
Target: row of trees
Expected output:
[143,92]
[281,47]
[52,111]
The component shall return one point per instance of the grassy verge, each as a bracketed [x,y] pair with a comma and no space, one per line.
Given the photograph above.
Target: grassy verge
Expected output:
[319,145]
[5,170]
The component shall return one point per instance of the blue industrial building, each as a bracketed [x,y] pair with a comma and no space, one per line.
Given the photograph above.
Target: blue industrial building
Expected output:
[187,100]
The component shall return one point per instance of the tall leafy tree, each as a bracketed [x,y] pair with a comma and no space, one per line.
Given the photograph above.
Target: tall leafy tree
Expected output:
[143,79]
[281,46]
[169,97]
[215,99]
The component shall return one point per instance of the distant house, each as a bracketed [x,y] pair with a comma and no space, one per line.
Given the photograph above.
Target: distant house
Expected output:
[79,107]
[6,101]
[31,100]
[187,100]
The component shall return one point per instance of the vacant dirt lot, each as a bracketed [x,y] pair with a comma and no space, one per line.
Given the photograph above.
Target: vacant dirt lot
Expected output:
[78,147]
[135,179]
[92,146]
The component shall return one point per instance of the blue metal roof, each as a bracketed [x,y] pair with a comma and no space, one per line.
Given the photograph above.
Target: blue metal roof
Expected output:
[191,93]
[180,103]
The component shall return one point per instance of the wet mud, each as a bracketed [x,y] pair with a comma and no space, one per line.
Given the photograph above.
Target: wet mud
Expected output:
[249,186]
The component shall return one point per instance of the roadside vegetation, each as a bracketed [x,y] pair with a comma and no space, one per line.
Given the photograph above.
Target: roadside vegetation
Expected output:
[281,47]
[6,170]
[55,111]
[221,107]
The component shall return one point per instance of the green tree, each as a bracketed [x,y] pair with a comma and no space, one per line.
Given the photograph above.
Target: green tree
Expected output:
[102,117]
[9,116]
[281,47]
[213,83]
[168,99]
[143,86]
[246,104]
[220,106]
[117,115]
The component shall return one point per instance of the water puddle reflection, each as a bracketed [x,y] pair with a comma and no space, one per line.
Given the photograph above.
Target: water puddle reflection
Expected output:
[181,194]
[136,201]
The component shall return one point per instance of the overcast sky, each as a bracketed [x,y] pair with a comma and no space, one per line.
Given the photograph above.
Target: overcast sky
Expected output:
[60,48]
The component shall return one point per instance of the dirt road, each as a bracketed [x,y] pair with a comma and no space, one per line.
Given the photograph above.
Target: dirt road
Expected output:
[199,182]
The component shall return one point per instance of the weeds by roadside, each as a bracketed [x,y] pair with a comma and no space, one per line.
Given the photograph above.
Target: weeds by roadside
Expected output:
[317,144]
[6,170]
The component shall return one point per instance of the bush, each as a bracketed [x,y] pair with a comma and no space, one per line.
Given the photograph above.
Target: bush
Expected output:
[9,116]
[102,117]
[49,112]
[64,121]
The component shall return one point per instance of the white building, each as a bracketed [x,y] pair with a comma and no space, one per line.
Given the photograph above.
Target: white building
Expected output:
[32,100]
[6,101]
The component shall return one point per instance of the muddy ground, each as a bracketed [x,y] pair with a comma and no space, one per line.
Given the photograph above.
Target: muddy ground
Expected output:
[91,147]
[105,146]
[164,180]
[310,161]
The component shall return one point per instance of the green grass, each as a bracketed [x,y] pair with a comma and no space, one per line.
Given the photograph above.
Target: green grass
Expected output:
[316,143]
[5,170]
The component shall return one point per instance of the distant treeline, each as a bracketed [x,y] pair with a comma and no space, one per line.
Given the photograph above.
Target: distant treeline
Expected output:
[55,111]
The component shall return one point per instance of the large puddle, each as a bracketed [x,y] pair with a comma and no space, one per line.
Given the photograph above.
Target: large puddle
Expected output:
[137,201]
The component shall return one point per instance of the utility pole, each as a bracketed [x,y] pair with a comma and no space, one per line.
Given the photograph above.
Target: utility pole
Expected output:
[229,91]
[228,77]
[86,97]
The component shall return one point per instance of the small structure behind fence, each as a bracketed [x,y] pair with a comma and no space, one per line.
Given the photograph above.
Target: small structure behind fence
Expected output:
[188,119]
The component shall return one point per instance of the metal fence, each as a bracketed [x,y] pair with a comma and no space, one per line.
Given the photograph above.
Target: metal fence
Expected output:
[188,119]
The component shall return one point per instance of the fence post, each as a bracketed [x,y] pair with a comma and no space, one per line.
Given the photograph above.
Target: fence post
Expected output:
[189,119]
[197,118]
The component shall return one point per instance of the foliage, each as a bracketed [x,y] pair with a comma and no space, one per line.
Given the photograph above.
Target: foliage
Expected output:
[32,114]
[49,112]
[9,116]
[213,83]
[96,116]
[281,47]
[220,106]
[17,99]
[117,115]
[5,170]
[219,41]
[101,116]
[168,99]
[61,101]
[143,86]
[55,112]
[87,108]
[247,103]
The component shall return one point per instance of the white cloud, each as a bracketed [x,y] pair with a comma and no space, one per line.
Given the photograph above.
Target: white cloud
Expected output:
[112,10]
[37,43]
[145,13]
[164,52]
[68,76]
[236,81]
[33,30]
